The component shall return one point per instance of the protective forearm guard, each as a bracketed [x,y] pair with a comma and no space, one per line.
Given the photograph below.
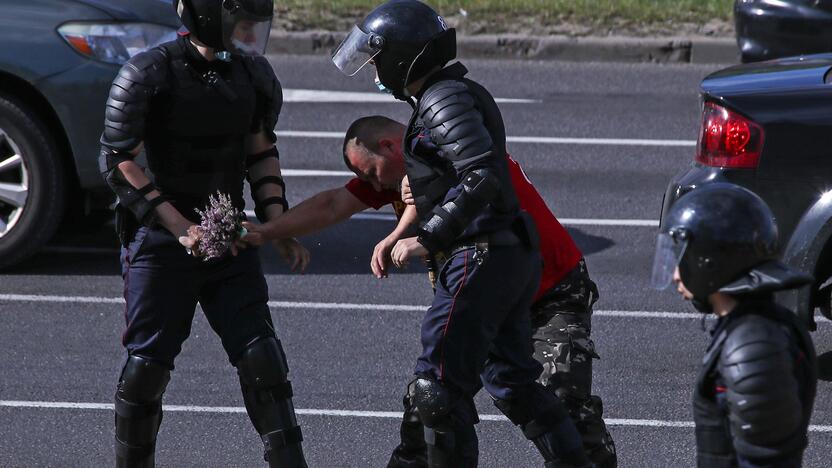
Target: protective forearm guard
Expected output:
[132,198]
[446,222]
[258,181]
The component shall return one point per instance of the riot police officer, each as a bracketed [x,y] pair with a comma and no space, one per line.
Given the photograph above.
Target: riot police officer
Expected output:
[203,107]
[755,390]
[478,326]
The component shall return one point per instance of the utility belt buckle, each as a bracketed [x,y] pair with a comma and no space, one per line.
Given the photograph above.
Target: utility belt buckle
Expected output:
[480,250]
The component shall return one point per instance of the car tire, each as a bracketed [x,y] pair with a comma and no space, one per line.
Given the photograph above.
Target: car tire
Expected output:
[31,164]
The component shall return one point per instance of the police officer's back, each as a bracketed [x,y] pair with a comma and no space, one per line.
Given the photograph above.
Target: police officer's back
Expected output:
[754,393]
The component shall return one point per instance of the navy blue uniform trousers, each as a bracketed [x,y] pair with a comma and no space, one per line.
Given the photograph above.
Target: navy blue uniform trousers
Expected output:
[477,332]
[162,285]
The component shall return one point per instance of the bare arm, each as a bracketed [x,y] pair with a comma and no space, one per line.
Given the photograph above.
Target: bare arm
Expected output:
[381,252]
[312,215]
[168,216]
[264,175]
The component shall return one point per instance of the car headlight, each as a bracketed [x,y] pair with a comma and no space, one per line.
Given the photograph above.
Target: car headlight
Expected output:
[114,42]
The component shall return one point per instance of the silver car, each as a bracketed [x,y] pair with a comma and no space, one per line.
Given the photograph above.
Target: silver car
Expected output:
[57,62]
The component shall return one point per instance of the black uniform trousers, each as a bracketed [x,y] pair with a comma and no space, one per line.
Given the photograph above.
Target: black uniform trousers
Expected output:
[162,285]
[477,331]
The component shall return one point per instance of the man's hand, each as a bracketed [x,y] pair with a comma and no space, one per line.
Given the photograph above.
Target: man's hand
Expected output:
[190,240]
[256,234]
[293,252]
[381,256]
[407,195]
[405,249]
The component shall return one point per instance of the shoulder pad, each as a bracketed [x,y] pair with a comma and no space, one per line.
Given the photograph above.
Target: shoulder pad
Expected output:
[269,91]
[449,111]
[137,81]
[754,338]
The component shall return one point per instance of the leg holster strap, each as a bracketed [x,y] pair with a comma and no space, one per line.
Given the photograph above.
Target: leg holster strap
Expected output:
[441,439]
[134,452]
[127,410]
[276,440]
[275,393]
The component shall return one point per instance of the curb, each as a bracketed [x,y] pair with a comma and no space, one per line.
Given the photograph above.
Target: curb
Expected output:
[588,49]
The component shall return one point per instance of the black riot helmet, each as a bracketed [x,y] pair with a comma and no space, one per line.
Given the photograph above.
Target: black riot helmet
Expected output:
[724,239]
[236,26]
[405,39]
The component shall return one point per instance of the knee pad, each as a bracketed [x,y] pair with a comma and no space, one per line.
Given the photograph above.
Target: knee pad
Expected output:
[267,394]
[262,365]
[138,407]
[432,401]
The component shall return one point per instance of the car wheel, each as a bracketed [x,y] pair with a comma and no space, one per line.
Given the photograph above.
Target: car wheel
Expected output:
[31,183]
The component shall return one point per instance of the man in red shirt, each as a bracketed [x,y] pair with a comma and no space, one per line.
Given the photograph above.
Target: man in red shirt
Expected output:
[562,309]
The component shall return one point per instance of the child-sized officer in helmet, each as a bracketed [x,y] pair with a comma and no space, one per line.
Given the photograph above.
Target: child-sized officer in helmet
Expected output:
[754,394]
[478,327]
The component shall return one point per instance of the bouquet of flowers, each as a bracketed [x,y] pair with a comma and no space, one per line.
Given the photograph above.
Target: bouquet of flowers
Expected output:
[221,224]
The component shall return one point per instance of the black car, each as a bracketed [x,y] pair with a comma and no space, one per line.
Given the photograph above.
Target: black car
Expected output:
[768,127]
[768,29]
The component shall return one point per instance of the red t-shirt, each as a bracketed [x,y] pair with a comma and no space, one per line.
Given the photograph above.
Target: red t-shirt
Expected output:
[560,254]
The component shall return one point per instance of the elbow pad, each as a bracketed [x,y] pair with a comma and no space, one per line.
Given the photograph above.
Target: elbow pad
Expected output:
[447,221]
[449,111]
[260,205]
[129,197]
[757,366]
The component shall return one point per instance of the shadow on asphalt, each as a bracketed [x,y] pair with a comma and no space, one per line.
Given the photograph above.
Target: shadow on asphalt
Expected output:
[341,250]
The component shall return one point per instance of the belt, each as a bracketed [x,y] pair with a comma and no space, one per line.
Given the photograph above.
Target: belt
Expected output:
[480,244]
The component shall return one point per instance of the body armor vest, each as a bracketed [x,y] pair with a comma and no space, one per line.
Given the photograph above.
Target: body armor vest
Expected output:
[714,441]
[196,129]
[431,176]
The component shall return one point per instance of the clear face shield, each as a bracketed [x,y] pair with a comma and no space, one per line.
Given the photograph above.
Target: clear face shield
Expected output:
[670,247]
[243,32]
[356,51]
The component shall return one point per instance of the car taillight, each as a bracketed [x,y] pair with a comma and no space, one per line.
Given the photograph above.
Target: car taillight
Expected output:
[728,139]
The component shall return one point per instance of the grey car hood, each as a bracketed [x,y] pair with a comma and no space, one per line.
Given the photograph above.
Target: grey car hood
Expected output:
[146,11]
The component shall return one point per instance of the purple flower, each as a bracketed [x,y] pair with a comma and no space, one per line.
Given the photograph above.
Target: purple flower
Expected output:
[220,226]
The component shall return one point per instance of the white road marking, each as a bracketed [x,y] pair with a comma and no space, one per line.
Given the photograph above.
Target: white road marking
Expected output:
[609,222]
[564,221]
[526,139]
[326,96]
[337,413]
[314,173]
[636,314]
[60,249]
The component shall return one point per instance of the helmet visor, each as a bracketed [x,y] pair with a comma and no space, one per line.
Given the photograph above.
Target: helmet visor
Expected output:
[355,51]
[669,251]
[245,33]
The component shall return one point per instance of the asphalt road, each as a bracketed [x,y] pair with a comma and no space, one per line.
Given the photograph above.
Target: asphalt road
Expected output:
[352,340]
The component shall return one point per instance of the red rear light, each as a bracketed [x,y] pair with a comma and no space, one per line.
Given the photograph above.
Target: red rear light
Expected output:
[728,139]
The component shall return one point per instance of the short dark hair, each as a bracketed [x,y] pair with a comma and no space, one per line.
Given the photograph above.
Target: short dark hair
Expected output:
[367,131]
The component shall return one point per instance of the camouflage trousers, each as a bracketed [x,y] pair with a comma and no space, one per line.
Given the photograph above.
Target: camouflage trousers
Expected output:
[561,329]
[561,326]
